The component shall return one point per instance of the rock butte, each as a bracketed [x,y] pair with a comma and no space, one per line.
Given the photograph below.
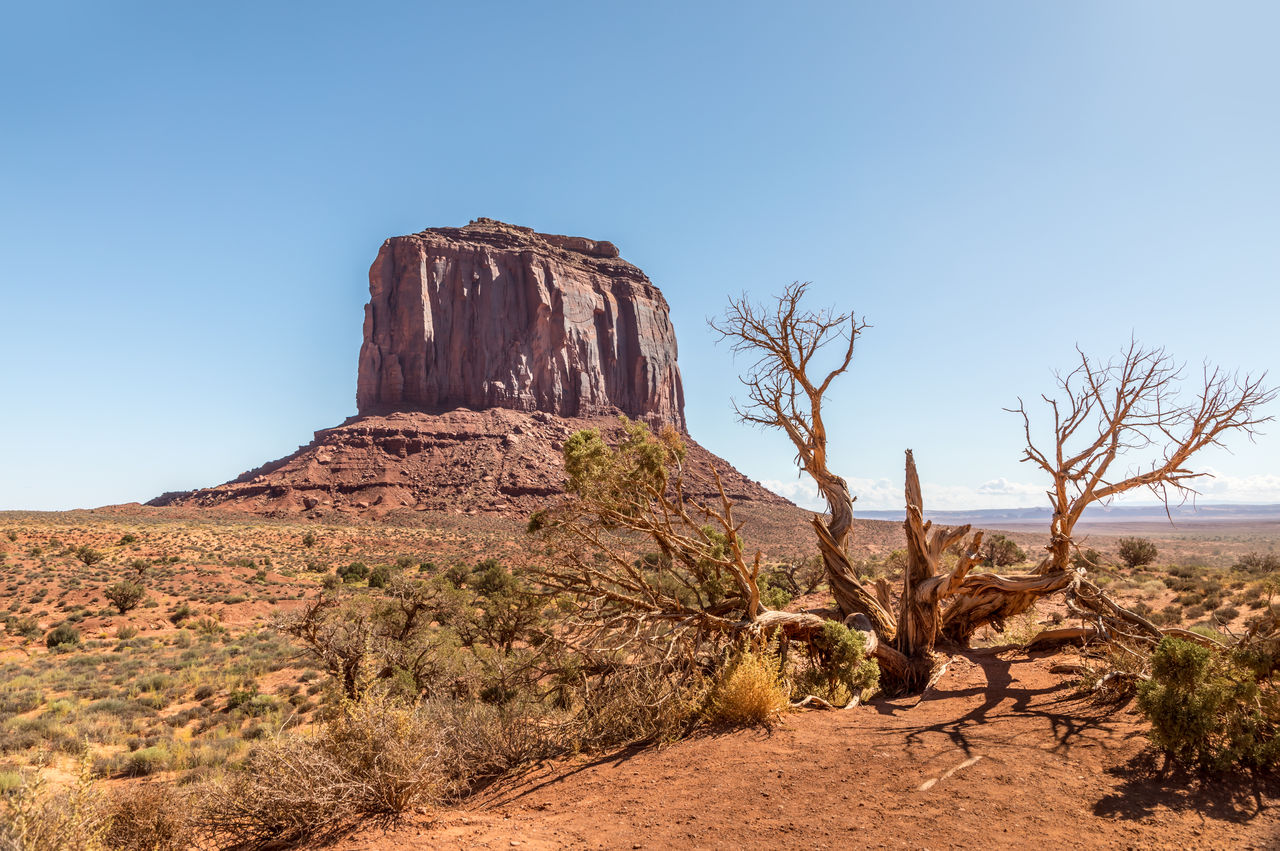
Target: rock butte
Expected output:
[497,316]
[484,347]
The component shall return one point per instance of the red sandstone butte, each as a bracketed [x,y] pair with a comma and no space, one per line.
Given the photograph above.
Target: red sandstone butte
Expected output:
[493,315]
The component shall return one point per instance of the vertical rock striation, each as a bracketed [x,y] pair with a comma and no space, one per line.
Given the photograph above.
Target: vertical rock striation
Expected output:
[497,316]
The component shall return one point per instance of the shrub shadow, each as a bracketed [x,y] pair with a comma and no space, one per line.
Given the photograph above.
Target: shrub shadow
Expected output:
[1149,781]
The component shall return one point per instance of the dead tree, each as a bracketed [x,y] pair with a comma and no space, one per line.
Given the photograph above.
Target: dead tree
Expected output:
[1112,411]
[784,338]
[1118,426]
[923,589]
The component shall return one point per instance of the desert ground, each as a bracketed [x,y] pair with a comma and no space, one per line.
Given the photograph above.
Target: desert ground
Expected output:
[1008,747]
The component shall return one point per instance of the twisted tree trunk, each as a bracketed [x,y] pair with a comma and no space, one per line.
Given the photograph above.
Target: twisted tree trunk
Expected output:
[923,590]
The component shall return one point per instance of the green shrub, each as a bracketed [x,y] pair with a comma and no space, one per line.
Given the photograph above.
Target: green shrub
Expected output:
[354,572]
[63,635]
[1136,552]
[841,670]
[1207,709]
[26,627]
[146,761]
[379,576]
[88,555]
[1226,613]
[773,597]
[1088,559]
[1001,551]
[125,595]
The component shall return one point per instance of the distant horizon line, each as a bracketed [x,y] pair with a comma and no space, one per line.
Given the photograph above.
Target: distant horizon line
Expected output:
[1180,510]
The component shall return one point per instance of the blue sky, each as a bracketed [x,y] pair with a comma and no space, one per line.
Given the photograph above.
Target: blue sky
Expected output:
[191,195]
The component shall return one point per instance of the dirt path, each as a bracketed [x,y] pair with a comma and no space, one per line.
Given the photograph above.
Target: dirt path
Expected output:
[1000,754]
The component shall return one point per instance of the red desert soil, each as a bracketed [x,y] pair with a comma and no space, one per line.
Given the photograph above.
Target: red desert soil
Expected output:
[1001,753]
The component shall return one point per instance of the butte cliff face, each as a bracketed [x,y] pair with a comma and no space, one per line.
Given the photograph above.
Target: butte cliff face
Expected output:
[484,348]
[497,316]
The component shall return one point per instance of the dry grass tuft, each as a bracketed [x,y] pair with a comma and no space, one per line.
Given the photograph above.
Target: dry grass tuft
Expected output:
[751,690]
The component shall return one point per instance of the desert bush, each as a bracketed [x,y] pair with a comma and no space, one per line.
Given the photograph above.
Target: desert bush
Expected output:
[840,669]
[145,761]
[33,818]
[1226,613]
[1259,564]
[1001,551]
[16,700]
[376,757]
[1086,559]
[1136,552]
[309,539]
[208,625]
[379,576]
[749,690]
[645,698]
[1112,671]
[796,578]
[353,572]
[125,595]
[87,555]
[26,627]
[63,635]
[1208,709]
[773,596]
[148,817]
[481,741]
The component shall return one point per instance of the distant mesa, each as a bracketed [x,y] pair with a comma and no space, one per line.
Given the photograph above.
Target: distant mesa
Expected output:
[484,348]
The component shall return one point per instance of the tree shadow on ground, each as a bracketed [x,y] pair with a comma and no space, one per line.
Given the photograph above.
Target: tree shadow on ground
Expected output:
[1004,701]
[1149,782]
[506,788]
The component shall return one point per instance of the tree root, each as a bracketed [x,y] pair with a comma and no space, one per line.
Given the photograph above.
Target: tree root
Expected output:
[812,701]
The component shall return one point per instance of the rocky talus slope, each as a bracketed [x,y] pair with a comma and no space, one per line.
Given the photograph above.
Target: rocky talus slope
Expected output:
[496,461]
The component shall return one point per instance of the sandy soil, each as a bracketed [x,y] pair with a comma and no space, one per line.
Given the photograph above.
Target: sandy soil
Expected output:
[1002,753]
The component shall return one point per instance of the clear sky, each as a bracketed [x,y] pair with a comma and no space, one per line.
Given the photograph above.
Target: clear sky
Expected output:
[191,195]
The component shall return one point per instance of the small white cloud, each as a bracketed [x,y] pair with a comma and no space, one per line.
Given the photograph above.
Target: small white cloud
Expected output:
[803,492]
[1004,487]
[1257,488]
